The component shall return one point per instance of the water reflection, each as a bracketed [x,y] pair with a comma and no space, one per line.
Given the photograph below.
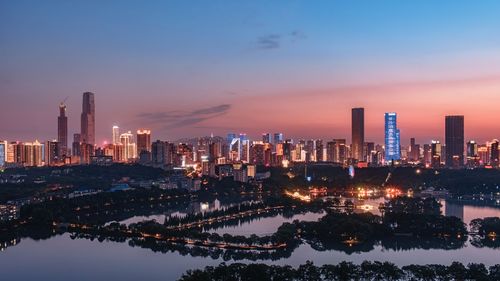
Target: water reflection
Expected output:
[38,256]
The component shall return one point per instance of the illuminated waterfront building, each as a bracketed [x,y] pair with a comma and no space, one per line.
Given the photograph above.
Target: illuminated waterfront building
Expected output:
[62,131]
[358,133]
[392,138]
[88,119]
[454,141]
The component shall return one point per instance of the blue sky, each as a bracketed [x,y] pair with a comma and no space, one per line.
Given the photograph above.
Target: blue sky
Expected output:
[264,58]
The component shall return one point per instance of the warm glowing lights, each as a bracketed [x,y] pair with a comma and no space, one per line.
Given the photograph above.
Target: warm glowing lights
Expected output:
[392,192]
[366,207]
[299,196]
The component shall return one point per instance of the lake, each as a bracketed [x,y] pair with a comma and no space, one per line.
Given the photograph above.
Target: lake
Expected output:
[61,258]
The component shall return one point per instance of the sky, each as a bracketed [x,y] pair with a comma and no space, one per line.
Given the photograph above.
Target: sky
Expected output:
[191,68]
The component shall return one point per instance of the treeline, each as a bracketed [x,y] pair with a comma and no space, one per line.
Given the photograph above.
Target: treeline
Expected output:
[460,182]
[101,208]
[344,271]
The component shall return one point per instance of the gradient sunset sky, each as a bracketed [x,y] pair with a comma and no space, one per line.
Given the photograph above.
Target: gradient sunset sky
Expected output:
[191,68]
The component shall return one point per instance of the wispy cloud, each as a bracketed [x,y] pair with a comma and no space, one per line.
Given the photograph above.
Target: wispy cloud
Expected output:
[275,41]
[270,41]
[177,118]
[297,35]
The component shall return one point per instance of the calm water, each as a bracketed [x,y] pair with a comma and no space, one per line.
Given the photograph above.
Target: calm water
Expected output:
[61,258]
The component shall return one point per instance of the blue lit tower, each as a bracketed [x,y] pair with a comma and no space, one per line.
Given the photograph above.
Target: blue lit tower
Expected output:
[392,138]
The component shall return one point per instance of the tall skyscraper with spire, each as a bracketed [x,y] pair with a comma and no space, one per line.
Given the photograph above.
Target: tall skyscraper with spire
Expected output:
[358,133]
[88,119]
[62,131]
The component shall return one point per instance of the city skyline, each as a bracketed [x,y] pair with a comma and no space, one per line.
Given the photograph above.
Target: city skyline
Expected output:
[300,75]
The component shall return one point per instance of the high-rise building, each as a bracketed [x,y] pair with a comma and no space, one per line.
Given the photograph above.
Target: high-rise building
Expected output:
[436,154]
[414,150]
[319,151]
[159,152]
[3,153]
[62,131]
[358,133]
[454,141]
[88,119]
[129,146]
[143,141]
[494,153]
[76,147]
[116,134]
[266,138]
[473,159]
[392,138]
[278,138]
[52,151]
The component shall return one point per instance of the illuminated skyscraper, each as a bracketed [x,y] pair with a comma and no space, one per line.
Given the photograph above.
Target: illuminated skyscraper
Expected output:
[143,141]
[392,138]
[454,141]
[62,131]
[116,134]
[3,153]
[129,146]
[88,119]
[472,154]
[358,133]
[435,154]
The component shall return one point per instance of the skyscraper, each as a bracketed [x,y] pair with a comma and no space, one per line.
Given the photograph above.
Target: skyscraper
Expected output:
[52,150]
[278,138]
[143,141]
[358,133]
[62,132]
[454,141]
[436,154]
[3,153]
[494,153]
[392,138]
[77,140]
[129,146]
[116,134]
[88,119]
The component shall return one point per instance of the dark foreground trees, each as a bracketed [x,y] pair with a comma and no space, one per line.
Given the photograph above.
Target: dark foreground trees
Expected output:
[344,271]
